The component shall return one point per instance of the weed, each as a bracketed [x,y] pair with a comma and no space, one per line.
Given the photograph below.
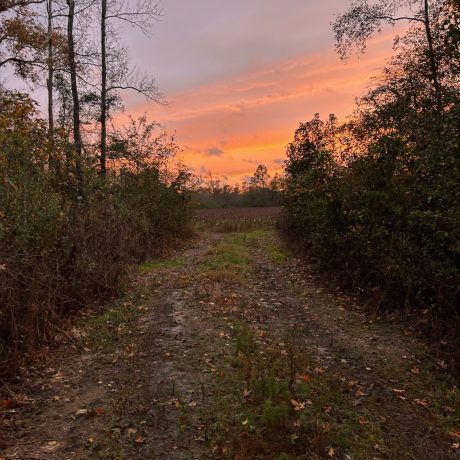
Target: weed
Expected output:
[274,415]
[244,340]
[156,265]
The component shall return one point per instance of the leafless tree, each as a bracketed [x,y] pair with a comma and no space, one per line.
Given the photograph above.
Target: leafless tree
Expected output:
[75,98]
[115,72]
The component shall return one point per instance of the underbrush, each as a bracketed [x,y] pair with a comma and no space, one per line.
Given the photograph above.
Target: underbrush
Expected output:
[59,251]
[386,222]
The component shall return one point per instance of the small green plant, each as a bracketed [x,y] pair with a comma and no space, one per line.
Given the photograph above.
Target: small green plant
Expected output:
[245,341]
[274,415]
[271,387]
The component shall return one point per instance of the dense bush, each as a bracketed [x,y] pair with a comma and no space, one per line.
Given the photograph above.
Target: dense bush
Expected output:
[57,252]
[383,224]
[377,200]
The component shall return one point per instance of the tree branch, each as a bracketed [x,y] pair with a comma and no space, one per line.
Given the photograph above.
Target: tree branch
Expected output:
[8,4]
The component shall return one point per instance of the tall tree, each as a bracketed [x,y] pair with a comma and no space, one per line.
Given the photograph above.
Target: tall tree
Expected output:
[116,68]
[75,98]
[22,43]
[50,79]
[260,177]
[103,154]
[353,28]
[8,4]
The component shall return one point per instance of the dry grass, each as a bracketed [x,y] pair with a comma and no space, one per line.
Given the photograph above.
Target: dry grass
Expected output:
[235,219]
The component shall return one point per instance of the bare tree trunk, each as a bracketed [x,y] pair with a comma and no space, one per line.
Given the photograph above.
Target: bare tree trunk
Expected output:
[75,99]
[49,83]
[103,155]
[432,57]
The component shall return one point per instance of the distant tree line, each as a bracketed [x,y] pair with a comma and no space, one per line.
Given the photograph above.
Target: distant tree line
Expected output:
[261,190]
[376,199]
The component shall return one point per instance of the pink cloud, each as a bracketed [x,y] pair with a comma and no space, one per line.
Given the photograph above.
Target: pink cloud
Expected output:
[238,122]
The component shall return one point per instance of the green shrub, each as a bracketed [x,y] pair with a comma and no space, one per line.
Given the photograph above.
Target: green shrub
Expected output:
[57,253]
[387,221]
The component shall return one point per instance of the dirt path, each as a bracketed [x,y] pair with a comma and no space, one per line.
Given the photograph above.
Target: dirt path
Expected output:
[233,349]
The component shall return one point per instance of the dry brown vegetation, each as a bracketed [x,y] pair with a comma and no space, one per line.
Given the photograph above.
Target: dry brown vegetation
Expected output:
[235,219]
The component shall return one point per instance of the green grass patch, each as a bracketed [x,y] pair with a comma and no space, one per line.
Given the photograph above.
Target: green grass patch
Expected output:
[165,264]
[277,252]
[110,328]
[231,257]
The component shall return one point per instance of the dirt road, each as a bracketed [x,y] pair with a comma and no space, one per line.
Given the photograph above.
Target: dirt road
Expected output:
[233,349]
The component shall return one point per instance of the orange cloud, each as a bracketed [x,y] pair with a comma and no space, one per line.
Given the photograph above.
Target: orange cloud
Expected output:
[231,126]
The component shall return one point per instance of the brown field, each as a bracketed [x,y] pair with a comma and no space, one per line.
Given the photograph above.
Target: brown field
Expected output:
[235,219]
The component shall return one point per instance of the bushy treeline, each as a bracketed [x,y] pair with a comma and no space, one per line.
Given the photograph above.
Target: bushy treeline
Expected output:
[80,198]
[377,199]
[261,190]
[59,250]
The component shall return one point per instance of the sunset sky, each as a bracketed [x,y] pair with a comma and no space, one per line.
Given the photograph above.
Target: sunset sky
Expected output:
[239,77]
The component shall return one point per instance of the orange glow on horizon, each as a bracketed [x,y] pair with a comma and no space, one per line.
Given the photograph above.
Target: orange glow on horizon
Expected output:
[229,127]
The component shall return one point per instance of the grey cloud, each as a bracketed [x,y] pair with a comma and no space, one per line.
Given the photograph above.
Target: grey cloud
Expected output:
[213,152]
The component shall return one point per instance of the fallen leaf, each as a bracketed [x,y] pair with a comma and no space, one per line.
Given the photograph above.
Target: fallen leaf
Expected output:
[56,398]
[399,394]
[140,440]
[331,452]
[359,393]
[442,365]
[297,405]
[327,409]
[326,427]
[415,370]
[422,402]
[132,431]
[245,422]
[52,443]
[456,445]
[319,370]
[81,412]
[6,403]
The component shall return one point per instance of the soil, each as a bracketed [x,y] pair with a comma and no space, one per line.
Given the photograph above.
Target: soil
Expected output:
[146,377]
